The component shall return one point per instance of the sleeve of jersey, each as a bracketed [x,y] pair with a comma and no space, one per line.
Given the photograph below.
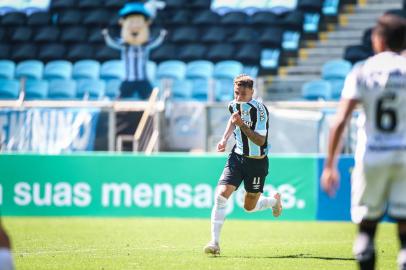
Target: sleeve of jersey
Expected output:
[351,89]
[262,119]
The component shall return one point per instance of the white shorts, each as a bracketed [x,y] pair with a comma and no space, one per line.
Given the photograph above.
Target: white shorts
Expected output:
[375,188]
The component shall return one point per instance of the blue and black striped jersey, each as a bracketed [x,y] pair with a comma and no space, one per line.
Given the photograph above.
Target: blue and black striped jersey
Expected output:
[255,116]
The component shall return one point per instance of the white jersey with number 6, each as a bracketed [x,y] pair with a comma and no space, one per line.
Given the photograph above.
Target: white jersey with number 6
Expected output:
[379,83]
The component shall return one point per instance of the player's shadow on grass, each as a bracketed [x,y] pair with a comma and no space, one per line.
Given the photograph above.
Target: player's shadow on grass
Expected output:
[297,256]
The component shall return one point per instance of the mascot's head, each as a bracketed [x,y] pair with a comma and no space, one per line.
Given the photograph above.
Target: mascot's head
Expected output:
[135,20]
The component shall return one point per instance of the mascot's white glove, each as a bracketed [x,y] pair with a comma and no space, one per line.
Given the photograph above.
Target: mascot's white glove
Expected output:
[153,6]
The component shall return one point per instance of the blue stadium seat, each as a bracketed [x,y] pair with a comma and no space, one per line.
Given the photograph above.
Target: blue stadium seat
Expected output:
[227,69]
[331,7]
[13,19]
[24,51]
[200,89]
[270,58]
[7,69]
[112,69]
[316,90]
[172,69]
[90,89]
[311,23]
[86,69]
[251,71]
[199,69]
[181,90]
[36,89]
[39,18]
[206,17]
[223,89]
[9,89]
[336,88]
[356,53]
[30,69]
[335,69]
[113,88]
[58,69]
[62,89]
[191,52]
[291,41]
[235,18]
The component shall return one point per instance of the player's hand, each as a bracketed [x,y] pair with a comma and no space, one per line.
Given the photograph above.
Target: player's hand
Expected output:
[104,31]
[164,32]
[236,119]
[330,181]
[221,146]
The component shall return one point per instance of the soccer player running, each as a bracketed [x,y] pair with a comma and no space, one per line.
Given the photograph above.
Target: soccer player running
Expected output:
[247,161]
[379,176]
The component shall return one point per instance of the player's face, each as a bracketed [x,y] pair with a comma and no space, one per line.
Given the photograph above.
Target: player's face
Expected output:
[242,93]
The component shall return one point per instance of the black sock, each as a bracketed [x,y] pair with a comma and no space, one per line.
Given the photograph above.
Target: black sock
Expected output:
[402,239]
[366,259]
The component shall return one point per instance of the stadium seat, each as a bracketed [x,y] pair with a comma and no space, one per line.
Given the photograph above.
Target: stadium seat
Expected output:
[90,89]
[264,19]
[331,7]
[175,4]
[21,34]
[24,51]
[336,88]
[113,88]
[46,34]
[192,52]
[80,51]
[199,69]
[52,51]
[13,19]
[114,3]
[200,89]
[223,89]
[244,34]
[235,18]
[103,53]
[99,17]
[181,17]
[9,89]
[199,4]
[214,34]
[335,69]
[311,23]
[4,51]
[316,90]
[30,69]
[248,53]
[185,34]
[270,59]
[62,89]
[39,18]
[251,71]
[310,5]
[69,17]
[36,89]
[89,4]
[171,69]
[366,39]
[356,53]
[74,34]
[227,69]
[95,35]
[164,52]
[3,34]
[206,17]
[291,41]
[293,21]
[62,4]
[220,52]
[58,69]
[7,69]
[86,69]
[112,69]
[271,37]
[181,90]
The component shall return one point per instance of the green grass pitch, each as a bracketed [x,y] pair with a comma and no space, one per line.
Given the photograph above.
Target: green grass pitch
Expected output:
[152,243]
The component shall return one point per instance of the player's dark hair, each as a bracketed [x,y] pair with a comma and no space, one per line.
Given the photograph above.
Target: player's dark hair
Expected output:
[392,29]
[244,80]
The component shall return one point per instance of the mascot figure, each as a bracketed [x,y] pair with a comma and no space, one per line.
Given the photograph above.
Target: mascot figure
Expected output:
[135,46]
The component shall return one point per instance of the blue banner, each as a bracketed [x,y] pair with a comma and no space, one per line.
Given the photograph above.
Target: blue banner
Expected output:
[45,130]
[338,207]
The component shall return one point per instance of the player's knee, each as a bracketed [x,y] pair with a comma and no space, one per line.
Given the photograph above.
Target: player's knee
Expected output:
[363,248]
[220,201]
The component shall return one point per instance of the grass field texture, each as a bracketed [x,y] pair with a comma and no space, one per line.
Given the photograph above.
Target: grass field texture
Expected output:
[141,243]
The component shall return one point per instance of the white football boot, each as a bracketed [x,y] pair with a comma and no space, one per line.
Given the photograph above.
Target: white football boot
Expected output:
[212,248]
